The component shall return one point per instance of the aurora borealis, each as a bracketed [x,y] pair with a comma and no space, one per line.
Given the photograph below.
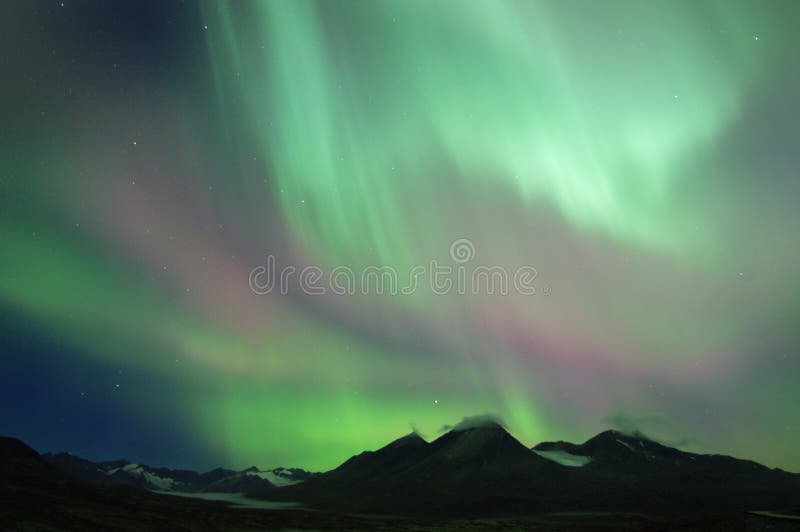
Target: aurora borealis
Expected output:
[641,156]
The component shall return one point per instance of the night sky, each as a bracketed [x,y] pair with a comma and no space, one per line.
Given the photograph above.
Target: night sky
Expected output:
[641,158]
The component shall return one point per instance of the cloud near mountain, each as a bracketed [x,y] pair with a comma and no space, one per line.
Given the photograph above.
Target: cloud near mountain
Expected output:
[471,422]
[642,426]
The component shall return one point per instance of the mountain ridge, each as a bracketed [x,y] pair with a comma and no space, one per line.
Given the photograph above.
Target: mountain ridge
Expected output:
[127,473]
[478,469]
[483,469]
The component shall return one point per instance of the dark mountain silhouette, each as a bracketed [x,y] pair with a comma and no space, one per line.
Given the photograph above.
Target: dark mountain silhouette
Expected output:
[19,463]
[483,470]
[92,473]
[125,473]
[678,478]
[477,470]
[395,457]
[36,496]
[468,470]
[238,482]
[13,450]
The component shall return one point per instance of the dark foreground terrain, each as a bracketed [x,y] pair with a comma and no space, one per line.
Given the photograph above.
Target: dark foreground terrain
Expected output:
[36,496]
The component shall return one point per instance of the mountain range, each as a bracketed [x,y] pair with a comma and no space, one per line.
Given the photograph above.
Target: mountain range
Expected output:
[475,472]
[123,472]
[483,470]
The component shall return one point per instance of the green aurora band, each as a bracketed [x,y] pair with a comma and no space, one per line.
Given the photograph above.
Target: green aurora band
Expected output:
[358,104]
[621,148]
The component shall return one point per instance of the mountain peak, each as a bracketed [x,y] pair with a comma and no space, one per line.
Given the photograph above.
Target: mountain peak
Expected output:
[13,447]
[411,439]
[485,442]
[616,437]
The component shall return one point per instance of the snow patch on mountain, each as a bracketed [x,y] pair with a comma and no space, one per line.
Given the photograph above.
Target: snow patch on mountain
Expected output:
[127,468]
[564,458]
[629,446]
[274,477]
[137,470]
[163,483]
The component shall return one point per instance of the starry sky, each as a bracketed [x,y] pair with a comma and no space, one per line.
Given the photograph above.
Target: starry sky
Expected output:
[640,157]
